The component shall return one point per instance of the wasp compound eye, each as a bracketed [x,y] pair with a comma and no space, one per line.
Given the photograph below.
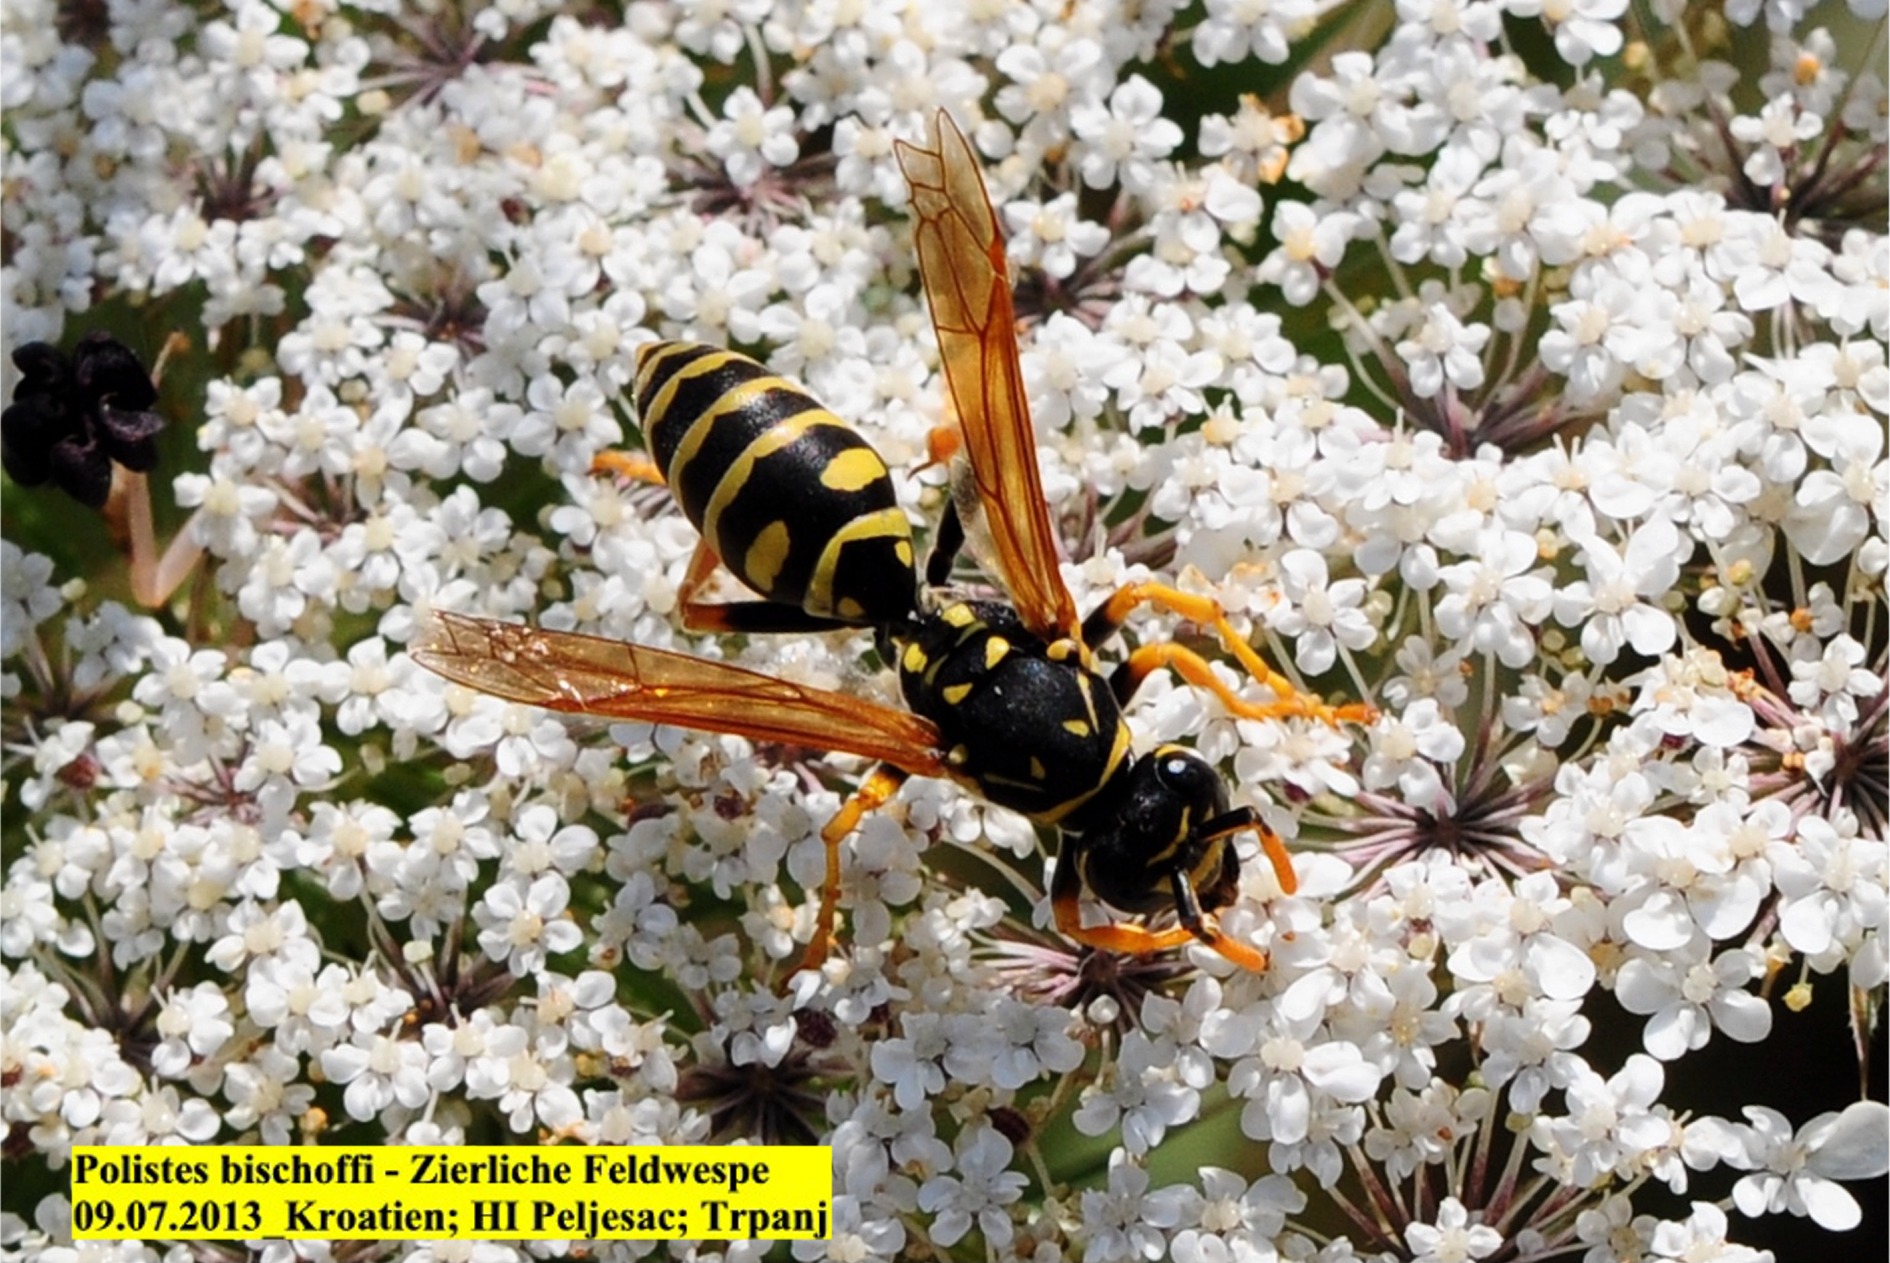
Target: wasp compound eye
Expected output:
[1184,772]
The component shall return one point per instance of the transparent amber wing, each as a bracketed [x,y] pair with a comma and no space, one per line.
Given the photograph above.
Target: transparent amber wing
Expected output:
[590,675]
[961,260]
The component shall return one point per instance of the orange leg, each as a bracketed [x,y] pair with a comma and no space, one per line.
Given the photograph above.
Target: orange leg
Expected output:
[1243,818]
[942,443]
[1192,667]
[698,615]
[1139,940]
[1277,856]
[627,465]
[1247,957]
[877,790]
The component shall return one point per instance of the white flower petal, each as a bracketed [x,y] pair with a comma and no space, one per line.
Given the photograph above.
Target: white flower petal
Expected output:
[1856,1146]
[1807,924]
[1828,1204]
[1743,1016]
[1562,969]
[1662,924]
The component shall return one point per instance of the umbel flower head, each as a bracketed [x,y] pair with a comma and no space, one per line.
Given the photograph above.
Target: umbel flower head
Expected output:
[72,417]
[1514,369]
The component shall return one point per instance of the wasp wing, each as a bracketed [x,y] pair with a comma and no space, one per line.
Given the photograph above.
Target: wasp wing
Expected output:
[590,675]
[961,261]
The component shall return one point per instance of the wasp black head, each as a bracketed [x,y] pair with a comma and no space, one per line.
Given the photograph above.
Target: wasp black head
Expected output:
[1171,819]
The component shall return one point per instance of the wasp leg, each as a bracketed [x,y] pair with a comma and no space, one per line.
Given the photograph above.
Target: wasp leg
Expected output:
[1066,902]
[741,617]
[1109,616]
[1244,818]
[946,545]
[627,465]
[942,442]
[705,616]
[746,617]
[1202,925]
[870,796]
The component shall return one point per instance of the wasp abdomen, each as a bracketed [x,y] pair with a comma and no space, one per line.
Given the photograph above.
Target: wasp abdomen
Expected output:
[797,505]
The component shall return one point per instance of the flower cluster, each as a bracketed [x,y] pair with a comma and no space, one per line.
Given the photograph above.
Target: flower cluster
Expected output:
[1516,369]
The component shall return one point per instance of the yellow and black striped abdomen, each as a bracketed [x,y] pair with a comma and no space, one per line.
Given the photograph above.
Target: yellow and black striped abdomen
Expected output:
[797,505]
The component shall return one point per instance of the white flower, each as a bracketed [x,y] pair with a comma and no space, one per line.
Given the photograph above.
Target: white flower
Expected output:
[1798,1172]
[1492,601]
[1319,614]
[1234,31]
[1123,141]
[1049,77]
[1610,1125]
[978,1194]
[1687,994]
[1831,886]
[1408,749]
[1776,133]
[1049,235]
[1520,941]
[1701,1235]
[194,1025]
[1583,30]
[1237,1220]
[1452,1238]
[1150,1091]
[1615,607]
[1311,246]
[1444,349]
[1830,516]
[379,1070]
[910,1062]
[521,925]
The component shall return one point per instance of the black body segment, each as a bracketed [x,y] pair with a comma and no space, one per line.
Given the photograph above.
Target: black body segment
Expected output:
[1033,728]
[1169,820]
[796,504]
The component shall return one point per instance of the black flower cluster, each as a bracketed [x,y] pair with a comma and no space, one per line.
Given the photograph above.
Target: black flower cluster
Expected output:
[71,417]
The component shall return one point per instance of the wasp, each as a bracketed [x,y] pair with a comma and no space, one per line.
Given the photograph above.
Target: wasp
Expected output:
[1007,699]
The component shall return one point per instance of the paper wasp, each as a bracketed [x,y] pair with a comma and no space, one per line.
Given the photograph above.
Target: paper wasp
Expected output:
[1006,700]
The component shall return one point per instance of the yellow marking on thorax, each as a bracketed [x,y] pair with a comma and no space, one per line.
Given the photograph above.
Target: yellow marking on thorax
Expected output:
[1079,727]
[1089,698]
[1166,853]
[1182,833]
[1065,647]
[955,693]
[994,651]
[912,660]
[1118,750]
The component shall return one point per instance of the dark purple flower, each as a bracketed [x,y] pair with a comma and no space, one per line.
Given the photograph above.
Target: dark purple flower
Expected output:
[71,418]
